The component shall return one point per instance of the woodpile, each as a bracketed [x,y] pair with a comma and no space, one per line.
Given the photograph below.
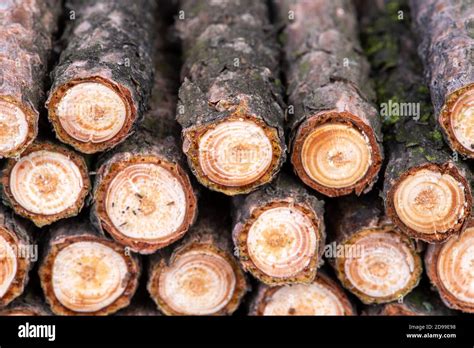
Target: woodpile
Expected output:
[262,158]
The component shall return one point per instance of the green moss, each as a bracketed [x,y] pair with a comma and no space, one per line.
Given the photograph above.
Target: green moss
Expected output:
[436,135]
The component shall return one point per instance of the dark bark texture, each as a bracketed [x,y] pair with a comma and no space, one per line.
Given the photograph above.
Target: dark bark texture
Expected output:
[28,304]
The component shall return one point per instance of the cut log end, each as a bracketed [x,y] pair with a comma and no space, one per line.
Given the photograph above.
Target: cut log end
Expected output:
[453,270]
[336,158]
[8,262]
[46,184]
[379,265]
[430,204]
[17,128]
[146,203]
[88,275]
[91,115]
[282,241]
[234,156]
[322,297]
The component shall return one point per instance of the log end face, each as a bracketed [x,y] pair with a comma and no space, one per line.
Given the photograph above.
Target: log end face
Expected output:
[8,265]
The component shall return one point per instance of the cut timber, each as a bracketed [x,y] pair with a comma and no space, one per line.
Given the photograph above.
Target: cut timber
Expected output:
[427,193]
[104,76]
[47,183]
[279,232]
[321,297]
[17,255]
[230,103]
[335,129]
[450,267]
[83,273]
[143,196]
[419,302]
[26,305]
[200,276]
[26,44]
[445,30]
[371,257]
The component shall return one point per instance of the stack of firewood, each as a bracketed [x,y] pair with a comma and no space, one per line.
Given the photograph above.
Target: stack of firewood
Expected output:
[291,157]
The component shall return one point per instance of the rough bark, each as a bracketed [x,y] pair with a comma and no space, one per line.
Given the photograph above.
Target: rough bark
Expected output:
[154,142]
[28,304]
[44,182]
[328,84]
[283,196]
[26,39]
[108,43]
[230,74]
[446,40]
[297,302]
[87,269]
[419,302]
[415,147]
[206,239]
[449,267]
[17,254]
[369,254]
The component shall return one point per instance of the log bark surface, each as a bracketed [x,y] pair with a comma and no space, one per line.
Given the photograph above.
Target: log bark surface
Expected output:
[110,43]
[26,39]
[230,73]
[328,82]
[29,304]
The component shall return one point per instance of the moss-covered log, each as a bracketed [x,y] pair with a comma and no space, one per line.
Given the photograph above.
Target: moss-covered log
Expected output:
[450,267]
[26,41]
[198,276]
[143,196]
[427,191]
[335,133]
[17,255]
[47,183]
[105,73]
[279,233]
[84,273]
[230,102]
[445,28]
[321,297]
[372,259]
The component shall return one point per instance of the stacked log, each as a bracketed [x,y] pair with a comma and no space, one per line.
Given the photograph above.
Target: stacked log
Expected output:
[335,133]
[26,41]
[230,104]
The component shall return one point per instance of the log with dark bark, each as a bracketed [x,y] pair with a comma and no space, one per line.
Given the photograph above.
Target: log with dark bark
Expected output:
[230,103]
[420,301]
[143,196]
[321,297]
[84,273]
[26,39]
[28,304]
[446,41]
[335,133]
[48,182]
[199,276]
[279,233]
[105,73]
[372,259]
[427,192]
[17,255]
[450,267]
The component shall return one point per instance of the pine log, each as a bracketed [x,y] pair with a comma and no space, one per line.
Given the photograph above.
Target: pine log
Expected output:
[143,196]
[48,182]
[26,305]
[279,233]
[427,192]
[198,276]
[450,267]
[17,255]
[335,134]
[419,302]
[26,41]
[84,273]
[446,40]
[230,102]
[105,73]
[321,297]
[372,259]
